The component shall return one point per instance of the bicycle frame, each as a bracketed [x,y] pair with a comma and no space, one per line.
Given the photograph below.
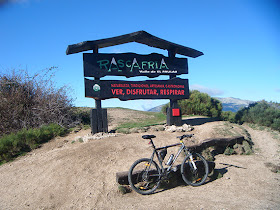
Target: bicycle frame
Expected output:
[183,147]
[146,174]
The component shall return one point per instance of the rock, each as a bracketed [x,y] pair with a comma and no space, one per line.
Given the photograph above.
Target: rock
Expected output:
[171,128]
[123,130]
[183,128]
[134,130]
[154,128]
[187,127]
[145,129]
[247,148]
[238,149]
[95,136]
[161,128]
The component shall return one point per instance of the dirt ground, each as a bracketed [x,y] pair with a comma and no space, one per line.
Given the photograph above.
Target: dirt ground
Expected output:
[64,174]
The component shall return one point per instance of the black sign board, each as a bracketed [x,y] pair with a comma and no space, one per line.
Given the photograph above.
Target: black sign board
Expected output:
[175,88]
[131,64]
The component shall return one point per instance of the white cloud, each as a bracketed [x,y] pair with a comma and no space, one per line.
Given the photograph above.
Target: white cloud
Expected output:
[210,91]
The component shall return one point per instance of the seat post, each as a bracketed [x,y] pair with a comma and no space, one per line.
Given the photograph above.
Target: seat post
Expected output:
[151,140]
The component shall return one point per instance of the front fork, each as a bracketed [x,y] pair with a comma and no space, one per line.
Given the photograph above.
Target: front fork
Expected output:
[191,160]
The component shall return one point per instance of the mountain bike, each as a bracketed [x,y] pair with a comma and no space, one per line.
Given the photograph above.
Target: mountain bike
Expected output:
[145,175]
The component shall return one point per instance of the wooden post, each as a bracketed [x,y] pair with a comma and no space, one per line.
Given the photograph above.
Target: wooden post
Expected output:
[99,115]
[171,120]
[171,54]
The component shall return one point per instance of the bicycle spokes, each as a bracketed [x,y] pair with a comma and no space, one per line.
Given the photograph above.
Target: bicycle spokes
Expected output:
[144,176]
[194,170]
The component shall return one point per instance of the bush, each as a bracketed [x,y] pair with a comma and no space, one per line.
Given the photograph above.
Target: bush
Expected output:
[199,104]
[261,113]
[228,116]
[31,101]
[25,140]
[81,115]
[164,108]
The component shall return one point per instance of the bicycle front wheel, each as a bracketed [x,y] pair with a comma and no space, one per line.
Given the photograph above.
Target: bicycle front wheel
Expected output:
[144,176]
[194,169]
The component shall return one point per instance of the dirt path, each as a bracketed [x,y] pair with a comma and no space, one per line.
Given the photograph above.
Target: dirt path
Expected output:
[66,175]
[265,145]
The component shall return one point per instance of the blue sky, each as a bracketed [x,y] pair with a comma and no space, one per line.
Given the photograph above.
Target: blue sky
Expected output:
[240,40]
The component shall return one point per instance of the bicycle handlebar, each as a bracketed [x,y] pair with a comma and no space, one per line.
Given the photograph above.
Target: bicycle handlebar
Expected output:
[185,136]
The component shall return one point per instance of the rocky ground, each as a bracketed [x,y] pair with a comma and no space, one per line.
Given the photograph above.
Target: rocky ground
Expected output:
[70,173]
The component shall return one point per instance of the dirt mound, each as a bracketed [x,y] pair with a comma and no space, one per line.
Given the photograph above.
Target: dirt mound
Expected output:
[70,174]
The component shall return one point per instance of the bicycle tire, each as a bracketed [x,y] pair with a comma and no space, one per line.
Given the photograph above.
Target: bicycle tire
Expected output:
[192,176]
[144,176]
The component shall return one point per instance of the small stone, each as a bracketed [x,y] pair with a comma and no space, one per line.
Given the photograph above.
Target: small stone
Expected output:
[154,128]
[134,130]
[171,128]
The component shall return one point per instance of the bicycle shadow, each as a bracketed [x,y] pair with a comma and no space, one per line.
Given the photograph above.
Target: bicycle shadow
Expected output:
[219,173]
[175,179]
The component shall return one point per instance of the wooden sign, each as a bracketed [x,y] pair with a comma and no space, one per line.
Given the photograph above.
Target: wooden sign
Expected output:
[131,64]
[175,88]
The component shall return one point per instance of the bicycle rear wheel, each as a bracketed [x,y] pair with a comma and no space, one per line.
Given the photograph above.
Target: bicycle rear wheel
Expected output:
[144,176]
[194,172]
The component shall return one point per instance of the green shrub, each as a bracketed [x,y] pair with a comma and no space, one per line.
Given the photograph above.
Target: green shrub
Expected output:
[276,124]
[261,113]
[229,151]
[199,104]
[81,115]
[164,108]
[228,116]
[15,144]
[6,144]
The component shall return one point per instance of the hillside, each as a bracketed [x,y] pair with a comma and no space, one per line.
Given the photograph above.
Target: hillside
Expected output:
[156,109]
[69,173]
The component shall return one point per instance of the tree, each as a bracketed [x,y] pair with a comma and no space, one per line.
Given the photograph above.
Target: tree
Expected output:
[31,101]
[199,104]
[262,113]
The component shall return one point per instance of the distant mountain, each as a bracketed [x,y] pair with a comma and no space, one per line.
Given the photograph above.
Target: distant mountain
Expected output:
[156,109]
[233,104]
[229,104]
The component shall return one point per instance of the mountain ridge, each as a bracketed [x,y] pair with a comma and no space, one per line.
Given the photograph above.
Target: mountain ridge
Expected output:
[233,104]
[229,104]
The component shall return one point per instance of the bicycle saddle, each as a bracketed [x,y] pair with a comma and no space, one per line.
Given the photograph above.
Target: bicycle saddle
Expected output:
[148,136]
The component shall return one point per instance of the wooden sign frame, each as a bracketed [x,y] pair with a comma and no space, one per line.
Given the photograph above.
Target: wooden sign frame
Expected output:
[127,64]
